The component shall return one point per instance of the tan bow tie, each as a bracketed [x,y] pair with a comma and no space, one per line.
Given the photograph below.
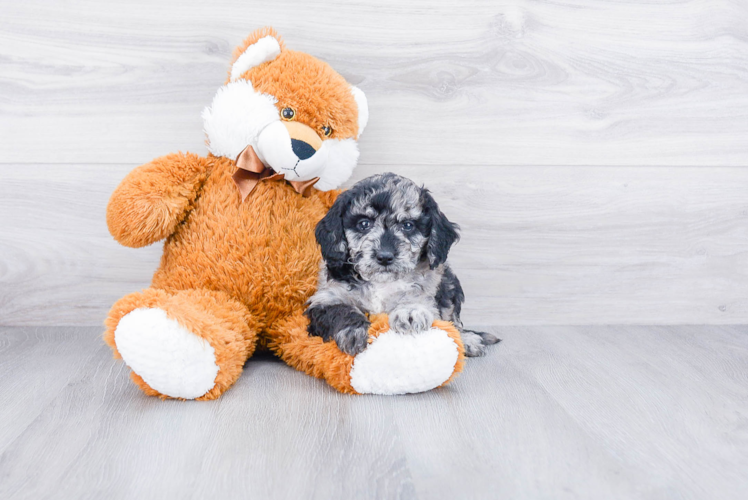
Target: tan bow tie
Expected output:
[250,171]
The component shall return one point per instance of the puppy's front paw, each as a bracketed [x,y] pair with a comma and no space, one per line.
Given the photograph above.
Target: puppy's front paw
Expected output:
[411,319]
[352,339]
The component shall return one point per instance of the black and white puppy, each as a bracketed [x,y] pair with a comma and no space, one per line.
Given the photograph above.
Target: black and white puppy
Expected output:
[385,244]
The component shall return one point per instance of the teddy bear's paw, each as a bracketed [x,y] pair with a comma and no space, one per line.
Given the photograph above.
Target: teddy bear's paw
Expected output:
[395,363]
[166,355]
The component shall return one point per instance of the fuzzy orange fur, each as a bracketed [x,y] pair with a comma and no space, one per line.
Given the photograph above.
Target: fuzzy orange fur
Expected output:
[149,203]
[225,323]
[318,94]
[454,334]
[238,273]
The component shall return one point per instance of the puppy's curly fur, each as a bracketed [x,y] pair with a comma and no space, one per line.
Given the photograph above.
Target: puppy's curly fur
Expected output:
[385,244]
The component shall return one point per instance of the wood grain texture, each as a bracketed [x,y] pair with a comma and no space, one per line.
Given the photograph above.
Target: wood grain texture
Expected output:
[556,245]
[593,152]
[551,412]
[472,82]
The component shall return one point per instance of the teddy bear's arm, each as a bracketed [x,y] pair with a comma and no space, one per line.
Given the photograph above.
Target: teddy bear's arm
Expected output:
[152,199]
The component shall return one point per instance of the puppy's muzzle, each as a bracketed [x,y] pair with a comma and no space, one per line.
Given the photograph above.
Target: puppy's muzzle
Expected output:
[387,249]
[304,140]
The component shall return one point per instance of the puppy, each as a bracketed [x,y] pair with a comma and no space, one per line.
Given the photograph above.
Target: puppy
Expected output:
[385,244]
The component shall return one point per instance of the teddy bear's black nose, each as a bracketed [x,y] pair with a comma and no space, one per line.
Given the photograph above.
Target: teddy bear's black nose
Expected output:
[302,149]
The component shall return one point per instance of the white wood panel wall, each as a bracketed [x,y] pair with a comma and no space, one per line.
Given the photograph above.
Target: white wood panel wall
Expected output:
[594,152]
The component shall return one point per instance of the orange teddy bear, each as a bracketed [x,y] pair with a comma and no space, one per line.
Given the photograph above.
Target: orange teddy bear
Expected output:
[240,258]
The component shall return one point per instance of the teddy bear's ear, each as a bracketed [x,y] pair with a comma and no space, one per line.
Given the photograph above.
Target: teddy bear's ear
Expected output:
[261,46]
[363,108]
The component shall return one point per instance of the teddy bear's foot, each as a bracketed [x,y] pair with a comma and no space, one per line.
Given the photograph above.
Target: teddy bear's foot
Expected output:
[392,363]
[396,363]
[168,357]
[189,344]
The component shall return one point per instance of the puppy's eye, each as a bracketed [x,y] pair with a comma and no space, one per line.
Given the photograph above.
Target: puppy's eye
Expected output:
[363,224]
[326,130]
[408,226]
[288,113]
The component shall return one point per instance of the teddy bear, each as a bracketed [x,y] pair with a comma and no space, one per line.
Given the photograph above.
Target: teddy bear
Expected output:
[240,259]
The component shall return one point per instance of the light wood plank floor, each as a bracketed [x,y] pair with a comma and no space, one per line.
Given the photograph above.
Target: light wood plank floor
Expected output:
[552,412]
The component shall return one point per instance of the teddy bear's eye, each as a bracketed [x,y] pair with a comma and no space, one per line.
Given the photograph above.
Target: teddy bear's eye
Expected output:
[288,113]
[326,130]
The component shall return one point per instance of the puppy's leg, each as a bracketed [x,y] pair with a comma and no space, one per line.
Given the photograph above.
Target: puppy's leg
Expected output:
[411,318]
[476,342]
[342,323]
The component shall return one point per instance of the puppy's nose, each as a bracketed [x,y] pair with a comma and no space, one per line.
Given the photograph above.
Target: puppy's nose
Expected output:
[385,257]
[302,149]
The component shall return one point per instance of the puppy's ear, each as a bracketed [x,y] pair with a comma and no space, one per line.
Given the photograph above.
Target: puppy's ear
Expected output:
[443,233]
[330,234]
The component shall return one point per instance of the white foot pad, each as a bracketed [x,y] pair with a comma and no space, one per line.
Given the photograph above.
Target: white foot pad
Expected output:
[170,358]
[397,363]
